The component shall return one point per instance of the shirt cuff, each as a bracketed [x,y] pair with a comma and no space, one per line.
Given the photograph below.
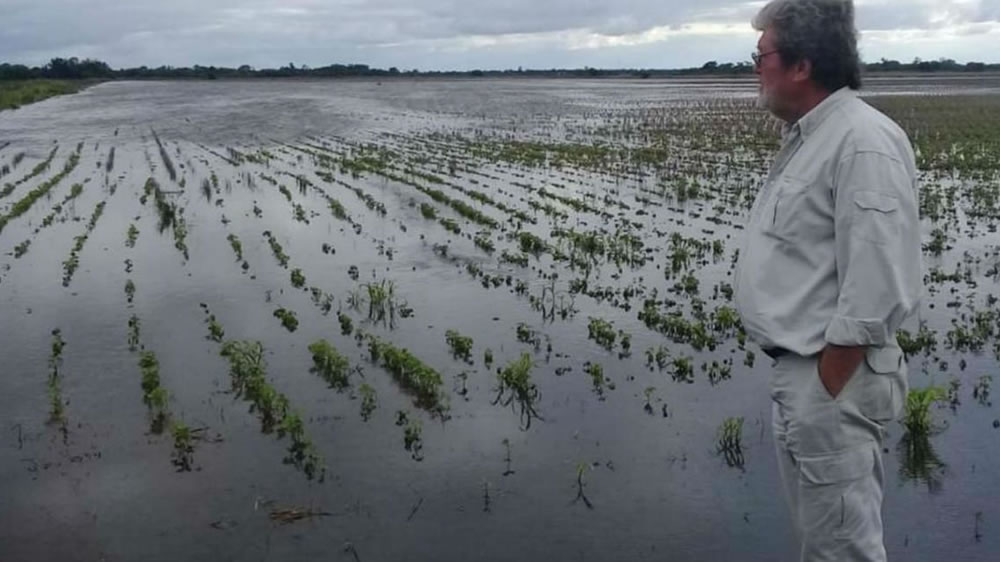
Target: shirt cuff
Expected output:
[850,332]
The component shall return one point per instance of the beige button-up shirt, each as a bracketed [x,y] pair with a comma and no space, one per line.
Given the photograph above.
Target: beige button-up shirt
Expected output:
[832,249]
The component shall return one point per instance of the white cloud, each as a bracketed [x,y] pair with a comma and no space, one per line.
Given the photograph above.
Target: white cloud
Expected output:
[438,34]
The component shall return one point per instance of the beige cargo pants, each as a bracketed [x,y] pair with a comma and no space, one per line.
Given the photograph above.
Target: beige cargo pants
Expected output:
[830,452]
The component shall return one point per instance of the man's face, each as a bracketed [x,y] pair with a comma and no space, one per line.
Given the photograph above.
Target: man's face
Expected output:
[775,79]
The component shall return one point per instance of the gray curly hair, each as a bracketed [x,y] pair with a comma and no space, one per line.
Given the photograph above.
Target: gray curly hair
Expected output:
[820,31]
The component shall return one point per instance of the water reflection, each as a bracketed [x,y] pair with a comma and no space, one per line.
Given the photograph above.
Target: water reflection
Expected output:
[918,463]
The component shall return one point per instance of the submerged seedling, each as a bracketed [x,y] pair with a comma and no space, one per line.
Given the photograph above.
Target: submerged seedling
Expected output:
[515,385]
[597,379]
[129,290]
[57,412]
[131,236]
[329,364]
[581,470]
[154,395]
[183,454]
[461,346]
[215,330]
[981,390]
[730,442]
[507,460]
[237,246]
[288,319]
[412,373]
[248,377]
[683,370]
[133,333]
[367,401]
[346,325]
[412,439]
[276,249]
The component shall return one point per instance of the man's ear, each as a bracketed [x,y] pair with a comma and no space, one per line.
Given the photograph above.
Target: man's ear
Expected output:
[802,70]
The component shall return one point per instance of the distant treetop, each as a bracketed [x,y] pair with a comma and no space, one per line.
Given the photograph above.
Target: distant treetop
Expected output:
[74,68]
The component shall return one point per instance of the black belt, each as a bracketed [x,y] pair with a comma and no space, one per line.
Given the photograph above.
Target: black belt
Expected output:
[775,352]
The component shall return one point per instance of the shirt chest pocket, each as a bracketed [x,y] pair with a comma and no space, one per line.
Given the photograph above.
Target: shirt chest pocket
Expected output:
[799,209]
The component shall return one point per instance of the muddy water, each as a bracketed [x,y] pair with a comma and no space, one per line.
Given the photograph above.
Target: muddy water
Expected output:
[105,489]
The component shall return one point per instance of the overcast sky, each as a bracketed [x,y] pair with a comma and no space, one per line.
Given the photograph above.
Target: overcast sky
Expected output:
[461,34]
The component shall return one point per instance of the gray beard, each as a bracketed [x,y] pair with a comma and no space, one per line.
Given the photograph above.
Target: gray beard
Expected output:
[763,100]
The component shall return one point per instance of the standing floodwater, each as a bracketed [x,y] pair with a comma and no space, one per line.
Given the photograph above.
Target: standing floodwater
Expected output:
[445,320]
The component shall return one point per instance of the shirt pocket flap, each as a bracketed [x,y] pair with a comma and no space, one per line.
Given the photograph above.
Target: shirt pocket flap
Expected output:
[842,466]
[875,201]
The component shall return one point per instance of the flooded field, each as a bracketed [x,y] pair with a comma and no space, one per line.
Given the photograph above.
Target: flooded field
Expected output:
[446,320]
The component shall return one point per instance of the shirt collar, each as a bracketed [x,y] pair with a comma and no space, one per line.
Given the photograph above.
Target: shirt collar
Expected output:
[812,120]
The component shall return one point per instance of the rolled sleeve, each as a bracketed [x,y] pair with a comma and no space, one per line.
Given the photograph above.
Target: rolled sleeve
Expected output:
[846,331]
[877,248]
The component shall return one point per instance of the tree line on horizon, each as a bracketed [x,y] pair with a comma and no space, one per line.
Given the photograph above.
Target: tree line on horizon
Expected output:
[82,69]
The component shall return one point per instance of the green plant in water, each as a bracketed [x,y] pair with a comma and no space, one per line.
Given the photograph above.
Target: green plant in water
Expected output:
[730,442]
[412,439]
[154,395]
[329,364]
[451,225]
[602,332]
[412,373]
[367,401]
[381,300]
[271,406]
[276,249]
[482,241]
[659,356]
[648,394]
[180,237]
[21,249]
[917,414]
[981,390]
[527,335]
[288,319]
[530,244]
[129,290]
[488,357]
[461,346]
[215,330]
[338,209]
[581,470]
[133,333]
[596,373]
[298,279]
[683,370]
[301,452]
[346,325]
[183,454]
[236,245]
[57,413]
[428,211]
[131,236]
[719,372]
[515,385]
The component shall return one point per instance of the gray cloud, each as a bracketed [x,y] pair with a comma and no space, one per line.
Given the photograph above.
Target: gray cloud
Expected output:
[413,33]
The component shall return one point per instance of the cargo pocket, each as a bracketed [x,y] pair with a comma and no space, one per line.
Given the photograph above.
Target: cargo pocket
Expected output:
[883,390]
[833,490]
[876,217]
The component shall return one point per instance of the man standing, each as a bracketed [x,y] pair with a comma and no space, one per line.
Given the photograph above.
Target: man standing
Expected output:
[830,269]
